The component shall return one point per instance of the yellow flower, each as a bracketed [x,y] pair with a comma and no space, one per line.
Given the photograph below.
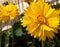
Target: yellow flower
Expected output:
[8,12]
[41,20]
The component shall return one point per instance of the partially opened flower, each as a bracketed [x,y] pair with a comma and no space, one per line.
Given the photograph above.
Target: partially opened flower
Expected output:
[41,20]
[8,12]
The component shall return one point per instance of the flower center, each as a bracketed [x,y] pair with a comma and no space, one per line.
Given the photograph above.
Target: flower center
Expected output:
[41,19]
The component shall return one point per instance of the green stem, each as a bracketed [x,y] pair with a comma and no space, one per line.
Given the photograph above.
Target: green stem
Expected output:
[42,44]
[6,40]
[12,37]
[33,42]
[0,32]
[7,37]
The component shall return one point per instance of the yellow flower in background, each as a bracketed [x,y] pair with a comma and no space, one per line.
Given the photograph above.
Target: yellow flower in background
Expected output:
[8,12]
[41,20]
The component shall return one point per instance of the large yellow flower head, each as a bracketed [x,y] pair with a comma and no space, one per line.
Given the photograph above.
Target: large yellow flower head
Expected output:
[41,20]
[8,12]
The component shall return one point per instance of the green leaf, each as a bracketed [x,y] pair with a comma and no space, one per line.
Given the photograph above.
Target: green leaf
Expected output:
[7,32]
[19,32]
[17,28]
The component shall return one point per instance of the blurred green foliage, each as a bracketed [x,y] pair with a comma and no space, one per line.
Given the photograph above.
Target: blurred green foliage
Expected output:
[22,39]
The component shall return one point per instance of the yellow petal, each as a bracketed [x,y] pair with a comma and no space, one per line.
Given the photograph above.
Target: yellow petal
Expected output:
[45,27]
[49,12]
[46,8]
[53,22]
